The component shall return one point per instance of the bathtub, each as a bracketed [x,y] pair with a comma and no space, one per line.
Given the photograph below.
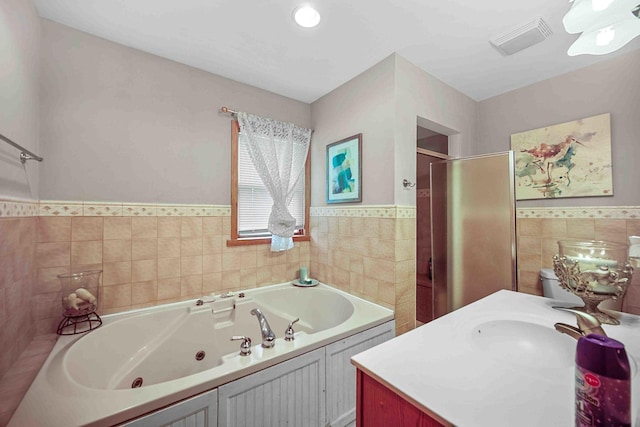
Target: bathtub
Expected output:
[143,360]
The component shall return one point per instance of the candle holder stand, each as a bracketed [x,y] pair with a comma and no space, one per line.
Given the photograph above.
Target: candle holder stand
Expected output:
[593,287]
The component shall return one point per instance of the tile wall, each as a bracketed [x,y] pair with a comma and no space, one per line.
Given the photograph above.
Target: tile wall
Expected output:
[158,254]
[369,252]
[540,229]
[17,274]
[15,383]
[149,255]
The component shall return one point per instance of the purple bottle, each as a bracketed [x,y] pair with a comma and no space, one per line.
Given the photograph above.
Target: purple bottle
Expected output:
[603,383]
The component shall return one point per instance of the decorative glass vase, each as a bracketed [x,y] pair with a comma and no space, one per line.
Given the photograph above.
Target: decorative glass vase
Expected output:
[594,271]
[79,302]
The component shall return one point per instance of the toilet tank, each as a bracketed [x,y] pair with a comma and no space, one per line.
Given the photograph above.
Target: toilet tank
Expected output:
[551,289]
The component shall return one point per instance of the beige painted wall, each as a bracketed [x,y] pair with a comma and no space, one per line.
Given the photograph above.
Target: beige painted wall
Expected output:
[362,105]
[420,98]
[612,86]
[119,124]
[19,96]
[384,103]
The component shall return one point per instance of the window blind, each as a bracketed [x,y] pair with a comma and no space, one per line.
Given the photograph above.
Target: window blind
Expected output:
[254,201]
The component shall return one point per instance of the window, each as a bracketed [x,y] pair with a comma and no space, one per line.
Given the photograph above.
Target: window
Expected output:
[251,202]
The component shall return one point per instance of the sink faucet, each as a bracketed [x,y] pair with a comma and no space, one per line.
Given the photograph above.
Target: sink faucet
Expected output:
[268,337]
[587,324]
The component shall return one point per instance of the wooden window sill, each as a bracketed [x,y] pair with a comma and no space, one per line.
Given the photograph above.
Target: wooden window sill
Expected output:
[262,241]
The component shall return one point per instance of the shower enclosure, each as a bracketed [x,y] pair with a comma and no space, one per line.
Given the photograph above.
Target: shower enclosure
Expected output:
[472,229]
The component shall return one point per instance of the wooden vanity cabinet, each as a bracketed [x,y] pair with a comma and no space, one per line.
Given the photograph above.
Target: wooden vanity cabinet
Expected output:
[378,406]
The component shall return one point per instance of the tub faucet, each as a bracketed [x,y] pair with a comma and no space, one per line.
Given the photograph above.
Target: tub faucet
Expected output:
[587,324]
[268,337]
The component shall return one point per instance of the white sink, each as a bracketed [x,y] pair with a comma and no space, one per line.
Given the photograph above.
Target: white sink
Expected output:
[530,345]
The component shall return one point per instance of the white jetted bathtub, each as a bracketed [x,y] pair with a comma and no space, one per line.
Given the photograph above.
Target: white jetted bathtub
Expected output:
[140,361]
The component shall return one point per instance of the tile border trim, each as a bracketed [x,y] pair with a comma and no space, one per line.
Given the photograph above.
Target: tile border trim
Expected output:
[593,212]
[109,209]
[371,211]
[104,209]
[18,208]
[12,208]
[59,208]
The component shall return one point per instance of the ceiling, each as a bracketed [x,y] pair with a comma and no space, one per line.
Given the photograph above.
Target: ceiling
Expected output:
[256,42]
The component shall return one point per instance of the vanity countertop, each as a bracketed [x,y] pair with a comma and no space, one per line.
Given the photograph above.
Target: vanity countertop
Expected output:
[496,362]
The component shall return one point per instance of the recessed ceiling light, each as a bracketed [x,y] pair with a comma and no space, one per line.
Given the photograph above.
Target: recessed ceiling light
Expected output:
[306,16]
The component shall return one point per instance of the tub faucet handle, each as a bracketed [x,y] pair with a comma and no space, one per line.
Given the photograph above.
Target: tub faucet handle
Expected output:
[288,334]
[245,346]
[202,301]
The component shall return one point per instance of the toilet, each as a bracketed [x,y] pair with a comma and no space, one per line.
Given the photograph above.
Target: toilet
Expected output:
[551,289]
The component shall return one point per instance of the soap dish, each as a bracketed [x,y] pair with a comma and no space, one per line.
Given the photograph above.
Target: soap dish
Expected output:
[307,284]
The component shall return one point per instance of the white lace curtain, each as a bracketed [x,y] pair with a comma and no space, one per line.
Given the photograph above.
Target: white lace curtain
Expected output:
[278,151]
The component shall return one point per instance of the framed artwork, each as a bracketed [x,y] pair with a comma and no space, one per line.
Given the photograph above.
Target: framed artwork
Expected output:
[571,159]
[344,170]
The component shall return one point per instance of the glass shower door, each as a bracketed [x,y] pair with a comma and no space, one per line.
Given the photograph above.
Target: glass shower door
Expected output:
[472,229]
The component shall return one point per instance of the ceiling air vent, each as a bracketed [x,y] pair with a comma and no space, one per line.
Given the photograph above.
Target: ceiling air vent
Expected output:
[522,37]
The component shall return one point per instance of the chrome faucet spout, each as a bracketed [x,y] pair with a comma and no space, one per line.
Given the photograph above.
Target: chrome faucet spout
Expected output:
[268,337]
